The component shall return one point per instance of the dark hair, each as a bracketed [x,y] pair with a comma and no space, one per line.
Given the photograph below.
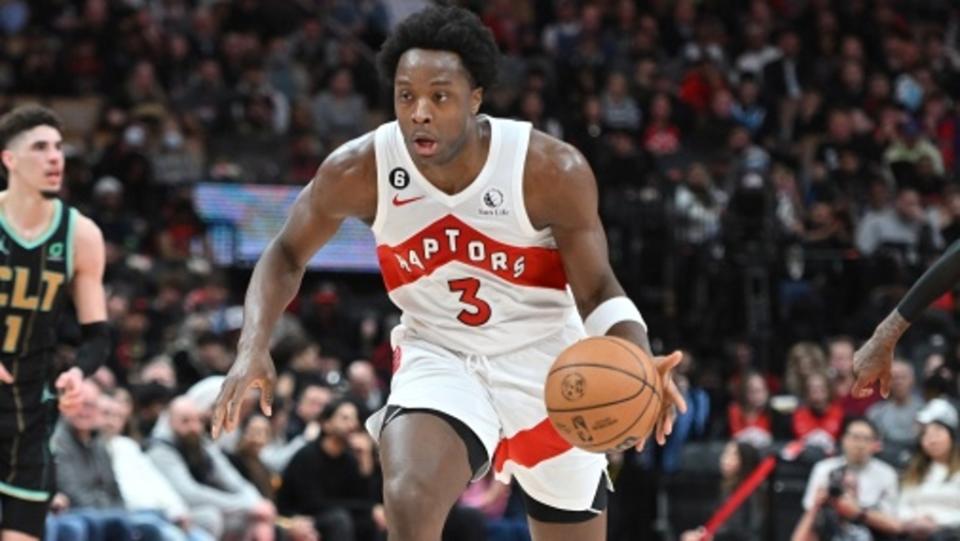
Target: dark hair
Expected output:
[860,419]
[331,408]
[25,118]
[442,28]
[749,460]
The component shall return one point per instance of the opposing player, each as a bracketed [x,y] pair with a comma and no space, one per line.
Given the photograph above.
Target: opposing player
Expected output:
[484,228]
[47,249]
[872,362]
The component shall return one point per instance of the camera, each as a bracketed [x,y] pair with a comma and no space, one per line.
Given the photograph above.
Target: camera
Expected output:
[835,482]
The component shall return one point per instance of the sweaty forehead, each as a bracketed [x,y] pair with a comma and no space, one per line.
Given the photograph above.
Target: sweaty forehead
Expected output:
[427,65]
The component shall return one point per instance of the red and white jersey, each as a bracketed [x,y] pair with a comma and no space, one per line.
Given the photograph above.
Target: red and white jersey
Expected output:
[468,270]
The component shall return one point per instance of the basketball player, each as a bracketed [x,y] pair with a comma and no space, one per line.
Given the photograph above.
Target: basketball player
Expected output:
[484,227]
[46,250]
[872,362]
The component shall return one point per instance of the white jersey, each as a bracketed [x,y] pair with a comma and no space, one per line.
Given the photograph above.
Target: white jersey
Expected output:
[468,270]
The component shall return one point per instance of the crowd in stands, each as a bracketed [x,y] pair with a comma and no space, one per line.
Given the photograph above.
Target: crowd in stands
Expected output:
[773,175]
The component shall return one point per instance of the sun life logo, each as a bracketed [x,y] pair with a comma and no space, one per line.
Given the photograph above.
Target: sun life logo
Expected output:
[493,203]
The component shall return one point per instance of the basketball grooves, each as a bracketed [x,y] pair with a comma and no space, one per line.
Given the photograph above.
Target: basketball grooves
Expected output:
[646,406]
[608,367]
[595,406]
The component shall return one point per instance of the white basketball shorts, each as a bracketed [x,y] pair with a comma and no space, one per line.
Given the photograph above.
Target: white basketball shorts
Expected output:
[501,399]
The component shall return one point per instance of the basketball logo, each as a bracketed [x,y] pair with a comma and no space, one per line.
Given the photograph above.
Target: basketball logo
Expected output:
[399,178]
[583,431]
[572,387]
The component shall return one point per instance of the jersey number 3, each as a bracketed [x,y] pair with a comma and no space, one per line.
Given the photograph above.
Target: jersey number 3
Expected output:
[467,288]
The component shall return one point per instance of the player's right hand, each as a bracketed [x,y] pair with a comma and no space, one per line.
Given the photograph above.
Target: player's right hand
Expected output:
[251,369]
[5,377]
[872,363]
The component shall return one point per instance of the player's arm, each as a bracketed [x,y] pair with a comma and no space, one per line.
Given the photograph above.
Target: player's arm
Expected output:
[90,301]
[344,185]
[872,362]
[560,191]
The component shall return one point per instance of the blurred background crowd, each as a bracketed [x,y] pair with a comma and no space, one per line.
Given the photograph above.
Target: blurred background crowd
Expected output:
[773,175]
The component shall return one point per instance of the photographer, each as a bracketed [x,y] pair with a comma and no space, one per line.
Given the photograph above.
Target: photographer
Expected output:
[850,497]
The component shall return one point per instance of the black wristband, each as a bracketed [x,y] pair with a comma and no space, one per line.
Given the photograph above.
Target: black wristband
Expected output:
[94,348]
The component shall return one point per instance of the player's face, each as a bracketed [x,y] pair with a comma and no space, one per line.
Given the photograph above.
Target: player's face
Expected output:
[35,157]
[434,99]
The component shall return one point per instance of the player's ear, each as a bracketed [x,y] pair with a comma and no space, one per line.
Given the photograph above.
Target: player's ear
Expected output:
[476,98]
[8,159]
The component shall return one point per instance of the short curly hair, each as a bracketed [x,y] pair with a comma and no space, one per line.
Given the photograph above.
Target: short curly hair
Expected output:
[443,28]
[25,118]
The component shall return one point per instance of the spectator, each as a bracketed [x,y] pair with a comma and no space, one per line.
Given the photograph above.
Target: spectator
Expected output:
[141,485]
[204,477]
[364,388]
[904,226]
[737,462]
[803,359]
[895,417]
[340,114]
[619,109]
[749,418]
[840,350]
[851,495]
[930,494]
[313,399]
[254,437]
[910,147]
[325,481]
[819,420]
[85,477]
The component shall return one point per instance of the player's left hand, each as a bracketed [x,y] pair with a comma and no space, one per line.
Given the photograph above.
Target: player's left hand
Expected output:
[672,398]
[69,387]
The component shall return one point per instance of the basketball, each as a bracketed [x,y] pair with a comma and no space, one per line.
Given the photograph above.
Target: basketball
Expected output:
[603,394]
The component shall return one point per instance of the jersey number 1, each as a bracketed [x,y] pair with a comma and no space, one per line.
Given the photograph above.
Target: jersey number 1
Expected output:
[12,336]
[467,288]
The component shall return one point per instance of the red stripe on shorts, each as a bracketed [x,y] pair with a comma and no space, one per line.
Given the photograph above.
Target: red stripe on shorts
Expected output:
[530,447]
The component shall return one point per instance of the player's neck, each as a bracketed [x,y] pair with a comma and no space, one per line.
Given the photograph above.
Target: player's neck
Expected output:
[27,211]
[458,173]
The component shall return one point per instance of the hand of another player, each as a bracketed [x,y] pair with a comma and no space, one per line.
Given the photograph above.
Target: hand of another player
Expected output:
[672,398]
[251,369]
[5,376]
[70,389]
[872,363]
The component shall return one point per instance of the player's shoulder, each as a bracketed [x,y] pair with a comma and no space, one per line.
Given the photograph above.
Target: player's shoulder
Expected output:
[84,228]
[551,158]
[353,160]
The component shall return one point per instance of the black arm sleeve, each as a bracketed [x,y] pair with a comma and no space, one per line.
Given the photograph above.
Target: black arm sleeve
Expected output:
[939,278]
[94,348]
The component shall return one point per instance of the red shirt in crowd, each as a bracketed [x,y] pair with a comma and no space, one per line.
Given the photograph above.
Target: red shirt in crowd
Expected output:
[805,420]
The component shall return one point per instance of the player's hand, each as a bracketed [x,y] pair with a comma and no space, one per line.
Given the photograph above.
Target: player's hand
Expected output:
[70,390]
[5,376]
[672,398]
[872,363]
[251,369]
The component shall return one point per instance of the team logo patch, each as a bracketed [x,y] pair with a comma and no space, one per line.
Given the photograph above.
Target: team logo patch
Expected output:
[55,253]
[399,178]
[493,203]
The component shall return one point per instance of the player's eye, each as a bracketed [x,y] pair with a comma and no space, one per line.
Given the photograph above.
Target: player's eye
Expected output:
[404,96]
[440,96]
